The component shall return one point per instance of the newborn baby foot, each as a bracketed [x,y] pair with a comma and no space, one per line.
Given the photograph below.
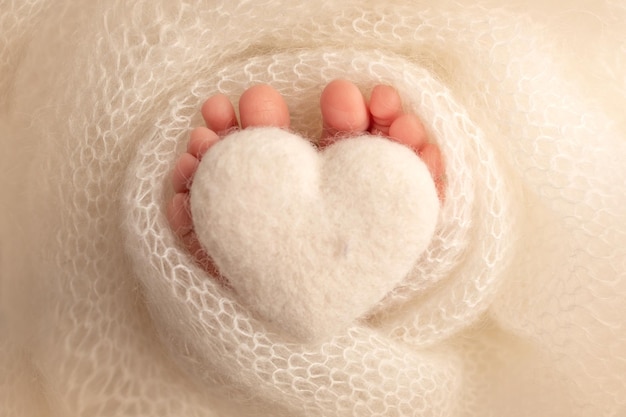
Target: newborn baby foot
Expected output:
[259,106]
[345,113]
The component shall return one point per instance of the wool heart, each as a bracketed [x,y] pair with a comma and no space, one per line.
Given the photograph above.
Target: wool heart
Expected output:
[309,240]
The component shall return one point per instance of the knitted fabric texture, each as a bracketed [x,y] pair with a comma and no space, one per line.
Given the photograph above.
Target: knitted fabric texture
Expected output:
[516,306]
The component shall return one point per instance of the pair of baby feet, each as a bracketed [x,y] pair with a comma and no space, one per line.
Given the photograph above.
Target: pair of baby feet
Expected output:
[345,113]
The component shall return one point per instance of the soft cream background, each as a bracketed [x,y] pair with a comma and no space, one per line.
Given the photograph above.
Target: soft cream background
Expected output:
[96,97]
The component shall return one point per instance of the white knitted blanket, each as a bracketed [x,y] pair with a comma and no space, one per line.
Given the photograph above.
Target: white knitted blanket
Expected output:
[516,306]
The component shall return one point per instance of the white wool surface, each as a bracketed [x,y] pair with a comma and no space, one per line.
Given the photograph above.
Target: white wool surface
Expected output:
[516,307]
[312,242]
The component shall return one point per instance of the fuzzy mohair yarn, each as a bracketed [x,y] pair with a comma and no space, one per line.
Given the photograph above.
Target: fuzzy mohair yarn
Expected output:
[514,304]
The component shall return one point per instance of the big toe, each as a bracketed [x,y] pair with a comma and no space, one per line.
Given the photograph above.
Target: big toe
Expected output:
[344,110]
[262,105]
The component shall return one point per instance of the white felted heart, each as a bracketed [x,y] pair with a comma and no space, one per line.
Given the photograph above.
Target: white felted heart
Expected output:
[309,240]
